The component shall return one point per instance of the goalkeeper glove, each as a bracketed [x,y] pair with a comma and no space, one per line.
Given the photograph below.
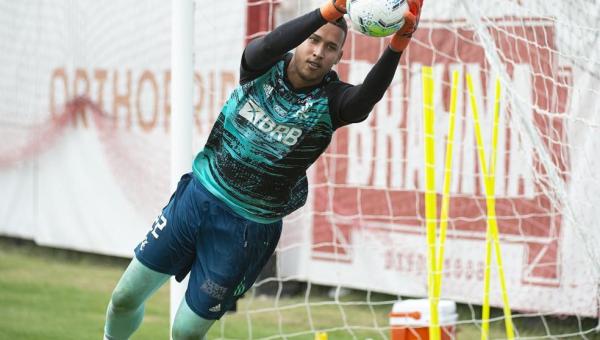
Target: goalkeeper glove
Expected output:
[333,9]
[401,38]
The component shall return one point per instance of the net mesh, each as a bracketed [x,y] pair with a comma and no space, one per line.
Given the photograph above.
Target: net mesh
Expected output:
[84,87]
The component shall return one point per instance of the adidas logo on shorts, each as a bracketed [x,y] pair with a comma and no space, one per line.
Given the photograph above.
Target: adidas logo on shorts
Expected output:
[215,309]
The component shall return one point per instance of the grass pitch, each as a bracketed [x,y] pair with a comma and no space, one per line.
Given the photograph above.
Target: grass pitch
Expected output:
[56,294]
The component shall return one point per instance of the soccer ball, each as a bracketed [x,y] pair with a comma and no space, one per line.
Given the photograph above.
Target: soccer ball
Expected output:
[377,18]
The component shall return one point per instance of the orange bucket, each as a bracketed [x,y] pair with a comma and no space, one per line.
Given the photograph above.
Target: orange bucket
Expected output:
[409,320]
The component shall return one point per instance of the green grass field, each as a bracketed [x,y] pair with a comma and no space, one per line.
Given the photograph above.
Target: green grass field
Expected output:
[55,294]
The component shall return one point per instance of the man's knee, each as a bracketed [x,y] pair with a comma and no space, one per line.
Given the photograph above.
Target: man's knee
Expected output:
[188,325]
[125,300]
[182,331]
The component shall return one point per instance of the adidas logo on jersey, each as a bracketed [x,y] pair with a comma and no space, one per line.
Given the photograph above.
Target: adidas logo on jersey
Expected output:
[280,132]
[215,309]
[304,109]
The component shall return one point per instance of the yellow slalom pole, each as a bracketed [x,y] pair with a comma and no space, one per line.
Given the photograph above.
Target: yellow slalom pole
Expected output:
[488,239]
[492,224]
[495,233]
[430,197]
[485,317]
[446,192]
[485,308]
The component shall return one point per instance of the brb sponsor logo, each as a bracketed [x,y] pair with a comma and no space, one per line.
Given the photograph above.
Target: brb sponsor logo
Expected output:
[372,176]
[254,114]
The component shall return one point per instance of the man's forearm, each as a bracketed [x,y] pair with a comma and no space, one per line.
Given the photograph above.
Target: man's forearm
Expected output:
[381,75]
[359,100]
[264,51]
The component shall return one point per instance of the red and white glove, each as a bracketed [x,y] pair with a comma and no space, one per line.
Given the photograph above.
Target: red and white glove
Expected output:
[333,9]
[401,38]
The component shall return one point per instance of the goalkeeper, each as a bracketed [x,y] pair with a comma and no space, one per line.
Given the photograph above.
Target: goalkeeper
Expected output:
[224,220]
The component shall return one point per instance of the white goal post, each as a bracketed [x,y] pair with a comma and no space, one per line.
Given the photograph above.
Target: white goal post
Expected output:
[182,81]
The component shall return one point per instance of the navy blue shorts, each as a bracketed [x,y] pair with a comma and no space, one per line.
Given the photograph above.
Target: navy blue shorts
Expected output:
[222,251]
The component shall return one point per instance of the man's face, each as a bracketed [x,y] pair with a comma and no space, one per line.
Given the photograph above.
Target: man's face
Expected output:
[317,54]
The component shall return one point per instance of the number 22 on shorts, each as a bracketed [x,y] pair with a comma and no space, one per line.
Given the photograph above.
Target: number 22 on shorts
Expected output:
[159,224]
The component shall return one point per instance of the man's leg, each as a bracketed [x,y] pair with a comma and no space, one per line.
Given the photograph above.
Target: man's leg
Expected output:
[188,325]
[126,307]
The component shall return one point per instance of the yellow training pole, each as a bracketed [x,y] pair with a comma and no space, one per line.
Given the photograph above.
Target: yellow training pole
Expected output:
[430,197]
[495,233]
[492,225]
[446,192]
[485,308]
[485,317]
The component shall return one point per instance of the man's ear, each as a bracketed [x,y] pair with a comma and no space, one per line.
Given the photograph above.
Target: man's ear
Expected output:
[339,56]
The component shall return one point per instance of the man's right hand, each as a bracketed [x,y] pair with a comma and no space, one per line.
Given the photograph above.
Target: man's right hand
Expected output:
[332,10]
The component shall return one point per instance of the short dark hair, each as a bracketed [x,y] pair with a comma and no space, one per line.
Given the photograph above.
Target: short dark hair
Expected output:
[341,23]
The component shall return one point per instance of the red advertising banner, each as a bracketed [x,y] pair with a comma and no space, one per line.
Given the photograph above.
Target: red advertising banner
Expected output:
[372,178]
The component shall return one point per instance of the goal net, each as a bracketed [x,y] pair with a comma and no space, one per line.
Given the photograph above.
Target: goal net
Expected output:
[85,109]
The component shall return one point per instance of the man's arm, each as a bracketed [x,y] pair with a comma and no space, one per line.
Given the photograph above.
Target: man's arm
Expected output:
[263,52]
[353,104]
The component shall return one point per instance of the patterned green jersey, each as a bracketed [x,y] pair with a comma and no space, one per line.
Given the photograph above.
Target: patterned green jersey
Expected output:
[262,143]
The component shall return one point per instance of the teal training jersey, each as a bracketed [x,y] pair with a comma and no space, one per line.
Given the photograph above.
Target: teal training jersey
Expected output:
[262,143]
